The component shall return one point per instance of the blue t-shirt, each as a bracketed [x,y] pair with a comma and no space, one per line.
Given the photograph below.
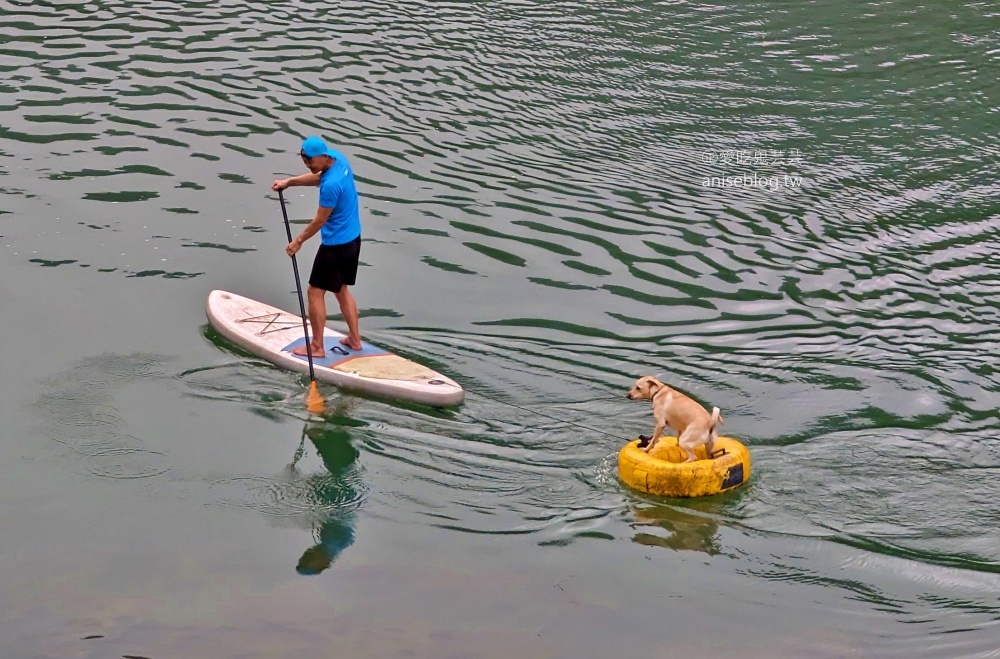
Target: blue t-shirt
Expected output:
[337,191]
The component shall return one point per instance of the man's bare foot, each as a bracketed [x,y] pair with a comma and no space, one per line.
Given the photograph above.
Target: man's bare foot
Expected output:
[303,351]
[353,345]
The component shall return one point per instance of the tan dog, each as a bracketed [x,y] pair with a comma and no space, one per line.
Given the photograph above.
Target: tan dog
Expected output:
[694,426]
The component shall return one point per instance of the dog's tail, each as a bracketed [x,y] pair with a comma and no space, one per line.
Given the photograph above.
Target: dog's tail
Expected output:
[713,430]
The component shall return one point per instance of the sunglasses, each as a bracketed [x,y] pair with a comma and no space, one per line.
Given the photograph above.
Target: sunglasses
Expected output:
[302,154]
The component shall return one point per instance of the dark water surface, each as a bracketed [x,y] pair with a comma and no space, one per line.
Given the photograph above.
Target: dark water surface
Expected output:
[549,212]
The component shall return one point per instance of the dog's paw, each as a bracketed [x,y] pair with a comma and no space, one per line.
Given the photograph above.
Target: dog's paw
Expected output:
[644,441]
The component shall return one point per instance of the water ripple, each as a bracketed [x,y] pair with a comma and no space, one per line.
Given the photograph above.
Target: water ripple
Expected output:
[80,414]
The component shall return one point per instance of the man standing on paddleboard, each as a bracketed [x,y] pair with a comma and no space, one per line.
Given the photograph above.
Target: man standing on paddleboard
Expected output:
[339,225]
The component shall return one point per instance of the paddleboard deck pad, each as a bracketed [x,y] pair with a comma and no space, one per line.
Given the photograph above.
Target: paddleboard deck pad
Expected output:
[271,334]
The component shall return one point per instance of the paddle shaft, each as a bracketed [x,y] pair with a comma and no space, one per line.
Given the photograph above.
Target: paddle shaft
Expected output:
[298,287]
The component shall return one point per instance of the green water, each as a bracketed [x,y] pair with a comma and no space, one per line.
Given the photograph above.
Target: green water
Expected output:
[549,213]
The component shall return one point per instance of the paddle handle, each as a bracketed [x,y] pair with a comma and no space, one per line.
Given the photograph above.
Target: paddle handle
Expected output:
[298,287]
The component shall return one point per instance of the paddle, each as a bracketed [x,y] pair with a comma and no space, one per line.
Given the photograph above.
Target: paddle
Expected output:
[314,400]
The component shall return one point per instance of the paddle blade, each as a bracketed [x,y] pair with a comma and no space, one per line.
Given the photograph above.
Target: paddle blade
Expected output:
[314,399]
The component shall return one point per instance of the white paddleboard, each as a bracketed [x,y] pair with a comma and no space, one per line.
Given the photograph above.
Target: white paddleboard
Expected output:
[271,333]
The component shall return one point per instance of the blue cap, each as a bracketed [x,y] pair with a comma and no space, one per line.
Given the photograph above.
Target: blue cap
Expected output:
[315,146]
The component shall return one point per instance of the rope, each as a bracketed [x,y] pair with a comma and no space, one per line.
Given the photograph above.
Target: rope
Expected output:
[554,418]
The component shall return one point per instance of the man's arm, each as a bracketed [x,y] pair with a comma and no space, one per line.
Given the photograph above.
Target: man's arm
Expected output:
[322,215]
[306,179]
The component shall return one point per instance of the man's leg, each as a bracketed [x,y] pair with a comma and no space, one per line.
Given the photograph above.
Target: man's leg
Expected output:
[349,309]
[317,323]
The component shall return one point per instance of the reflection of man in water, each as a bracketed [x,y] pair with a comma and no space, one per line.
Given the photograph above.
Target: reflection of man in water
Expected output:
[335,492]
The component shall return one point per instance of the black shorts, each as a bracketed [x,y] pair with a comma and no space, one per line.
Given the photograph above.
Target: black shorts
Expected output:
[335,266]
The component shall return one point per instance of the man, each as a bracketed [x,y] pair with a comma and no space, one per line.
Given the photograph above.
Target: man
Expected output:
[338,222]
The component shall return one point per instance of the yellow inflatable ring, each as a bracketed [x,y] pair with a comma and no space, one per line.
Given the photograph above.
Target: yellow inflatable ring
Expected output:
[665,473]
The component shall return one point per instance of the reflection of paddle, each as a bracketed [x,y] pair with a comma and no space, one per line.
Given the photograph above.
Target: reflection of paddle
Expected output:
[314,400]
[291,469]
